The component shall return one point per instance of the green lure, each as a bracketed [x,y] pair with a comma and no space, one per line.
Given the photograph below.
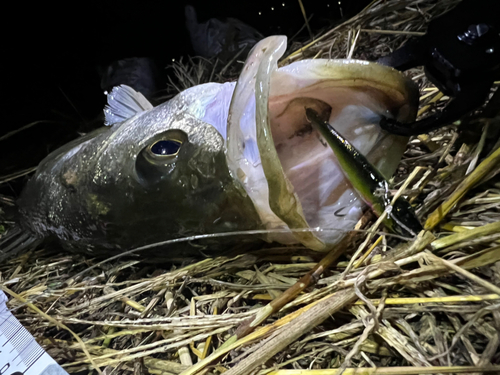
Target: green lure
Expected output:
[367,180]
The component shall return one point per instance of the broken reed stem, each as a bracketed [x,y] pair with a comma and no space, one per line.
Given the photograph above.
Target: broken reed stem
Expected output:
[307,280]
[478,150]
[468,183]
[293,330]
[226,348]
[469,234]
[447,299]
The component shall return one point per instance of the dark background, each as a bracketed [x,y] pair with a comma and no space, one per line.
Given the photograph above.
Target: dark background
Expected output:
[53,52]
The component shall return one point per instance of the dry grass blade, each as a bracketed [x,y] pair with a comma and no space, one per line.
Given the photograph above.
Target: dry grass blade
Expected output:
[302,9]
[447,299]
[16,175]
[470,181]
[465,273]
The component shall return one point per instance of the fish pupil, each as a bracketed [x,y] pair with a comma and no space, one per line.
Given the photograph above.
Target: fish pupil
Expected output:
[166,147]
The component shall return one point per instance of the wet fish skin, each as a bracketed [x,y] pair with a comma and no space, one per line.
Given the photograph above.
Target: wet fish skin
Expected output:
[108,194]
[367,180]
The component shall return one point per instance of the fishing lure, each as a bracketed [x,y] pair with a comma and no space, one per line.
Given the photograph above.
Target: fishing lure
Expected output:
[368,181]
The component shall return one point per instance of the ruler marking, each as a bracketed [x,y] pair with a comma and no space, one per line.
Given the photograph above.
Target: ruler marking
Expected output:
[8,338]
[38,353]
[32,353]
[19,350]
[21,339]
[1,313]
[26,357]
[8,328]
[19,353]
[40,356]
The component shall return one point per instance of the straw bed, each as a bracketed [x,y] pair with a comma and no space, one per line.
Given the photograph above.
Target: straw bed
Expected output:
[425,306]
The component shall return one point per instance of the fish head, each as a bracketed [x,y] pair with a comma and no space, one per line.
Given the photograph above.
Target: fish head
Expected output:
[159,174]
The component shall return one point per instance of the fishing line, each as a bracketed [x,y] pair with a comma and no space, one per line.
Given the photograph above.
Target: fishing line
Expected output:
[231,234]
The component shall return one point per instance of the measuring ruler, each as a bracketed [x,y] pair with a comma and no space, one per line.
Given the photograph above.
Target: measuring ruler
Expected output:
[20,354]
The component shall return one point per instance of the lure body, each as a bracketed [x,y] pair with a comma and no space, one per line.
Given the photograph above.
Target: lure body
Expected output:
[368,181]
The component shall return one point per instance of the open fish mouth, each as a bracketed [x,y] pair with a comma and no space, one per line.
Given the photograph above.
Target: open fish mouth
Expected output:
[290,174]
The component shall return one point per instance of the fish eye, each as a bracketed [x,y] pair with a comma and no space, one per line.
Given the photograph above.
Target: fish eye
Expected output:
[158,157]
[166,147]
[163,149]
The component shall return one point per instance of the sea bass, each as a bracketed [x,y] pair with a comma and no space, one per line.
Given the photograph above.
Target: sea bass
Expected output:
[223,158]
